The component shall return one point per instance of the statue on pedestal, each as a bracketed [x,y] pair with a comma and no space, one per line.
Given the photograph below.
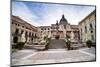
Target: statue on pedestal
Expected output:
[72,36]
[23,39]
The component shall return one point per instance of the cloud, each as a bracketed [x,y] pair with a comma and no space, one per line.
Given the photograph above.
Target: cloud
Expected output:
[47,14]
[21,10]
[73,13]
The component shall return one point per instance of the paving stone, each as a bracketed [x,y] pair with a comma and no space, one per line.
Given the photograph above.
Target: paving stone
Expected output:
[55,56]
[60,55]
[22,53]
[90,50]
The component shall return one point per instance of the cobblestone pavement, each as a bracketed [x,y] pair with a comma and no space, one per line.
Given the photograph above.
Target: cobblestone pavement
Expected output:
[56,44]
[25,57]
[92,50]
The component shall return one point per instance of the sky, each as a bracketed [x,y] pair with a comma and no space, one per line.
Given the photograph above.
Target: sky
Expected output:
[45,14]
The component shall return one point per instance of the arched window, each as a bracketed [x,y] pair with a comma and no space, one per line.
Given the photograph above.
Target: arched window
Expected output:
[26,34]
[17,31]
[15,39]
[22,31]
[29,34]
[91,28]
[64,26]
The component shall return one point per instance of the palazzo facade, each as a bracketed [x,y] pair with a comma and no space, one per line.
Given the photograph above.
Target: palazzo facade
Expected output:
[87,28]
[21,31]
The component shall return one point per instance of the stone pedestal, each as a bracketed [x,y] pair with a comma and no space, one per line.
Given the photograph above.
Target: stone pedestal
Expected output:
[72,36]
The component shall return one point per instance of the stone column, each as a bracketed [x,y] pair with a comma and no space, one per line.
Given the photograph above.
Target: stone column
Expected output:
[28,39]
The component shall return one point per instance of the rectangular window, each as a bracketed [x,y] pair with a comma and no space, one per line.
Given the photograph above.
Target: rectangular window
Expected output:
[92,36]
[85,29]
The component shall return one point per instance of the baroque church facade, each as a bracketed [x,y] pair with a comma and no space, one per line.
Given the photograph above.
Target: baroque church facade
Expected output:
[62,28]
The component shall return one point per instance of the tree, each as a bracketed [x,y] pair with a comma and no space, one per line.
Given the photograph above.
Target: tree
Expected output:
[89,43]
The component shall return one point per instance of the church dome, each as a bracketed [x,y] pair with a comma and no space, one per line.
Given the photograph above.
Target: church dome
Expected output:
[63,20]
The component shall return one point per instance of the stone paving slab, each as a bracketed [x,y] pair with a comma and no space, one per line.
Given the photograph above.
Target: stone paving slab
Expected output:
[90,50]
[54,56]
[22,53]
[26,62]
[58,55]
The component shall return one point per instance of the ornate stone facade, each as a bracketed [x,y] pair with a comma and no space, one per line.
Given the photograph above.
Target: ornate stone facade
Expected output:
[87,27]
[61,28]
[21,31]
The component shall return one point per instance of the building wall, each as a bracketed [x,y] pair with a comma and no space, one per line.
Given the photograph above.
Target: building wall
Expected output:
[86,31]
[62,31]
[22,30]
[44,31]
[27,32]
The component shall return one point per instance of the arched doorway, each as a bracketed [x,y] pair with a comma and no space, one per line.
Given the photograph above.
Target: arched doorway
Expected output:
[15,39]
